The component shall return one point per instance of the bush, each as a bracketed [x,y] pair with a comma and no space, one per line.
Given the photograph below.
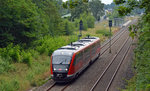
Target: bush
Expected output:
[48,44]
[27,58]
[34,53]
[5,66]
[69,27]
[85,25]
[90,21]
[103,32]
[11,53]
[76,22]
[14,53]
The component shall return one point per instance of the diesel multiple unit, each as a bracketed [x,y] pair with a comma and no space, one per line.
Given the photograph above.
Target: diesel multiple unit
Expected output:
[69,61]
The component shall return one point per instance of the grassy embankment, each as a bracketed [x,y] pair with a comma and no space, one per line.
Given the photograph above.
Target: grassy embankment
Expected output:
[141,66]
[23,77]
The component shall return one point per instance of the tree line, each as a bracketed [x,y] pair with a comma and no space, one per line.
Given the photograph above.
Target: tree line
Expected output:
[23,21]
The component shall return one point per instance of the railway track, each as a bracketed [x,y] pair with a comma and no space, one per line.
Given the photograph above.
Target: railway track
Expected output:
[51,86]
[114,63]
[54,84]
[105,47]
[118,33]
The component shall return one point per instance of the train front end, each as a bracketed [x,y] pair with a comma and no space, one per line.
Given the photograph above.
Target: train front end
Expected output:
[60,66]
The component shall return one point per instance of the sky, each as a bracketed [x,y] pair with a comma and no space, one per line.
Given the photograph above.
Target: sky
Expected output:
[103,1]
[107,1]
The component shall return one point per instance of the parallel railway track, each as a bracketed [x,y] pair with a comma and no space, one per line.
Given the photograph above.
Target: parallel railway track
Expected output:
[112,64]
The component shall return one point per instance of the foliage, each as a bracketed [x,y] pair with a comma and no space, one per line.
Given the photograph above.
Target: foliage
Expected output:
[79,9]
[73,3]
[48,44]
[25,21]
[109,6]
[90,21]
[142,30]
[62,11]
[114,14]
[53,17]
[69,27]
[103,32]
[27,58]
[20,22]
[142,60]
[12,54]
[5,66]
[96,8]
[141,80]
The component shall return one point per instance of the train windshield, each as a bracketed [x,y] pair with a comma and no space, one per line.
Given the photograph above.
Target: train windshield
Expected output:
[61,59]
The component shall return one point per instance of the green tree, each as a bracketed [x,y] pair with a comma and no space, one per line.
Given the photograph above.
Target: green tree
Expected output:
[51,15]
[109,6]
[90,21]
[19,22]
[97,8]
[79,9]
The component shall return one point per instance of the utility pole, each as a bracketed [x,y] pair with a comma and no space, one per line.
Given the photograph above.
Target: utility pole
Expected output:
[110,25]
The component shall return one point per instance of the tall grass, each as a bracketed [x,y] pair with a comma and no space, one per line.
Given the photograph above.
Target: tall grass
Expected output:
[35,69]
[103,32]
[9,85]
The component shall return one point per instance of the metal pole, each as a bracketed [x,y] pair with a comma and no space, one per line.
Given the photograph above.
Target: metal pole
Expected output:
[80,32]
[110,25]
[110,41]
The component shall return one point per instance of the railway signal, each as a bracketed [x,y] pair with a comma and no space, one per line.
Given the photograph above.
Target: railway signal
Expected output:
[80,28]
[110,25]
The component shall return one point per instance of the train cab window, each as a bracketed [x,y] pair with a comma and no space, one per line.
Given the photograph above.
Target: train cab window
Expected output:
[61,59]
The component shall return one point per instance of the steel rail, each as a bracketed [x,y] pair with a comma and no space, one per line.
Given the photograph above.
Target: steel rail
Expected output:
[51,86]
[65,87]
[109,65]
[111,44]
[119,33]
[125,55]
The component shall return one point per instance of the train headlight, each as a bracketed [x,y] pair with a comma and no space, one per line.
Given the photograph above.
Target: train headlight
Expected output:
[66,69]
[54,69]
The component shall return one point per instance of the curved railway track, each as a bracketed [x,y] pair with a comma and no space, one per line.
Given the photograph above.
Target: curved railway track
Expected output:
[115,38]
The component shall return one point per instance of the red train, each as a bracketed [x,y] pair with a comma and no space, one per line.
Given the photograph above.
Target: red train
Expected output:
[69,61]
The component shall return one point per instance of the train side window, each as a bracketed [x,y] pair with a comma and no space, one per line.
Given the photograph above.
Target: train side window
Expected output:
[78,58]
[87,54]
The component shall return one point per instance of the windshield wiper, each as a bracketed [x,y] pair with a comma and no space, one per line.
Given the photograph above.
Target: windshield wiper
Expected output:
[62,61]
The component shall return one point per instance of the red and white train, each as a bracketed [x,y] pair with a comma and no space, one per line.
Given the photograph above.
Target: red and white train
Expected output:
[69,61]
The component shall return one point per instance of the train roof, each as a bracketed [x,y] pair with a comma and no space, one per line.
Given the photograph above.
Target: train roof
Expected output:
[75,46]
